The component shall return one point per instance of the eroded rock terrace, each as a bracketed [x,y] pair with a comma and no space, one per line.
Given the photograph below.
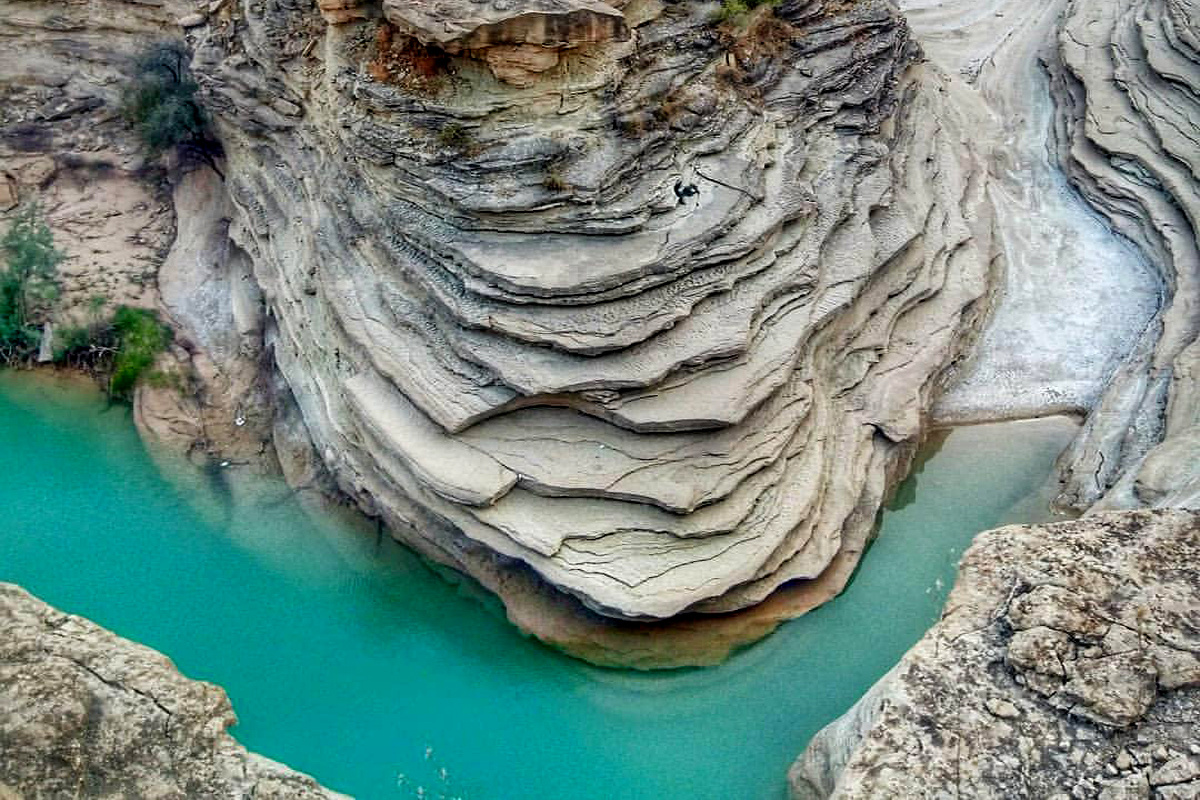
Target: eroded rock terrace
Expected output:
[659,324]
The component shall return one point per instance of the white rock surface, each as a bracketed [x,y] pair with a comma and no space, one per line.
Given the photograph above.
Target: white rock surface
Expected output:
[1075,296]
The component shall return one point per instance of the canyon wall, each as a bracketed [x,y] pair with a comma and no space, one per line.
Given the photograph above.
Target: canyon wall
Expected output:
[134,231]
[1125,79]
[1067,660]
[631,314]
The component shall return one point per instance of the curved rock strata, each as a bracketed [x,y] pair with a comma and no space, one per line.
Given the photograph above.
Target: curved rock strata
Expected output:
[658,328]
[1125,78]
[1066,664]
[85,713]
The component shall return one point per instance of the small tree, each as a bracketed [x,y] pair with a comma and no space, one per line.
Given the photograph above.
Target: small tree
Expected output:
[160,103]
[27,282]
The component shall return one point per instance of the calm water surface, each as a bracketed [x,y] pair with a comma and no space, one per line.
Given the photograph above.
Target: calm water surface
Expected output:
[350,660]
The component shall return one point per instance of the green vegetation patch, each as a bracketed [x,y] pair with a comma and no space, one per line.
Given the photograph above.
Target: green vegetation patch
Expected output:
[141,336]
[160,102]
[28,284]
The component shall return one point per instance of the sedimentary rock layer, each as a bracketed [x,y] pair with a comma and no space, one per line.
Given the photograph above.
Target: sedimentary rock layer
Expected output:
[1125,77]
[129,237]
[1072,296]
[1066,663]
[64,146]
[85,713]
[658,327]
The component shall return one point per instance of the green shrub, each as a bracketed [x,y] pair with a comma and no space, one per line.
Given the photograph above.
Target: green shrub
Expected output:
[736,11]
[140,338]
[454,136]
[27,283]
[160,103]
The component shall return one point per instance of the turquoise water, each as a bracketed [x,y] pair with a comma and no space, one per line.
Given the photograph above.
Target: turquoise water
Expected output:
[348,659]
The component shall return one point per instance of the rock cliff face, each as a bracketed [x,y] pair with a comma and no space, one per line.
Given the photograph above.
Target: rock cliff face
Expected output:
[1066,664]
[85,713]
[1128,123]
[656,329]
[63,144]
[130,236]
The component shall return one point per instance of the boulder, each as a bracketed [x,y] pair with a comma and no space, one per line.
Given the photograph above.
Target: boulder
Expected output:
[84,712]
[1066,663]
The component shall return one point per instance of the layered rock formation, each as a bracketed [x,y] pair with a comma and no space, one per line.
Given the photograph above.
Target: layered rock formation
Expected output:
[85,713]
[1128,127]
[1072,297]
[656,329]
[1066,664]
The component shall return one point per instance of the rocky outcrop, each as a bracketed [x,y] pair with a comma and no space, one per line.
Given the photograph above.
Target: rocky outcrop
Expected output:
[656,330]
[133,232]
[457,25]
[1066,664]
[1125,76]
[85,713]
[63,145]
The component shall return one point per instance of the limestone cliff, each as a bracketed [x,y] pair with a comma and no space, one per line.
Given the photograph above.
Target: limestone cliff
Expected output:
[1066,664]
[656,328]
[85,713]
[1128,129]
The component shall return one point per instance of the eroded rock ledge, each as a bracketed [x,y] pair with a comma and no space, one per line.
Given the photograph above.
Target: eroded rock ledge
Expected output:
[1066,664]
[657,329]
[1128,128]
[85,713]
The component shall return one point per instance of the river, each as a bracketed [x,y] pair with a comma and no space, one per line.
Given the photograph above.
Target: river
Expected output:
[347,658]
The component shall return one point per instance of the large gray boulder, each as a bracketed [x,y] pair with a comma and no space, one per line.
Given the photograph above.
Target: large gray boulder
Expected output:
[85,713]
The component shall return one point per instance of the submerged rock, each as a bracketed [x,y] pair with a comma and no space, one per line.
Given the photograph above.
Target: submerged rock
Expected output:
[85,713]
[1067,660]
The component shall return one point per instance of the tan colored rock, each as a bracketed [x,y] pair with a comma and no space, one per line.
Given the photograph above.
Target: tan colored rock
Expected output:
[520,64]
[339,12]
[1082,676]
[72,154]
[8,194]
[457,25]
[82,707]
